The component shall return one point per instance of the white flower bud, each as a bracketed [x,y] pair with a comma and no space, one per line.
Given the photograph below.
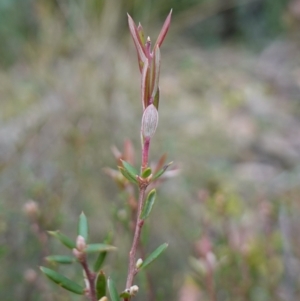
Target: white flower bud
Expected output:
[149,121]
[139,263]
[31,209]
[103,299]
[77,254]
[80,243]
[133,290]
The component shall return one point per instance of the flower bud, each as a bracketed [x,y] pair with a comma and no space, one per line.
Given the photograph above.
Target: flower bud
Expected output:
[103,299]
[77,254]
[133,290]
[30,275]
[80,243]
[139,263]
[31,209]
[149,121]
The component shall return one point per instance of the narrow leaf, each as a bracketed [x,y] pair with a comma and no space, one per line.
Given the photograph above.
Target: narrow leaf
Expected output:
[99,262]
[130,169]
[161,172]
[141,33]
[102,255]
[154,255]
[156,99]
[63,281]
[164,30]
[146,173]
[113,290]
[148,204]
[127,175]
[101,285]
[155,72]
[83,228]
[62,259]
[92,248]
[145,84]
[137,41]
[68,242]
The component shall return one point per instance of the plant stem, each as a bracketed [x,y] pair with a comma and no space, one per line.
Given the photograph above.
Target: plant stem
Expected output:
[135,243]
[90,276]
[145,153]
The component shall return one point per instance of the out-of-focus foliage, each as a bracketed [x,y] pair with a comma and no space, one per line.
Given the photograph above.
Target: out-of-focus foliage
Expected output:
[205,21]
[228,116]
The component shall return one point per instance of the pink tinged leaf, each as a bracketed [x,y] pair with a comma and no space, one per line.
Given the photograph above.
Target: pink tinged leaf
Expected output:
[160,163]
[141,33]
[137,41]
[164,30]
[145,84]
[129,152]
[156,99]
[149,121]
[155,71]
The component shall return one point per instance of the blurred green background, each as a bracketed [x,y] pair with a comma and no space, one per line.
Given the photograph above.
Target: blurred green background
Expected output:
[229,118]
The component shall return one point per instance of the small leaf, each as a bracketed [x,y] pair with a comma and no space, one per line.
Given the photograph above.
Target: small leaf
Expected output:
[62,259]
[156,99]
[129,168]
[145,84]
[162,171]
[68,242]
[83,228]
[101,285]
[125,294]
[153,255]
[100,259]
[155,72]
[63,281]
[146,173]
[92,248]
[137,41]
[141,33]
[127,175]
[148,204]
[113,290]
[164,30]
[102,255]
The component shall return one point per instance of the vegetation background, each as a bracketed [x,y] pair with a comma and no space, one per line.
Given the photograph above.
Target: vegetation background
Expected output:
[229,118]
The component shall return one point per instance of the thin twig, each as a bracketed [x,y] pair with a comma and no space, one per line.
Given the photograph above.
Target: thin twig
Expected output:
[135,243]
[90,276]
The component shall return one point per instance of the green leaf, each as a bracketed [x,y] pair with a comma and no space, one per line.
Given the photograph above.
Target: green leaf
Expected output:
[162,171]
[148,204]
[127,175]
[125,294]
[83,227]
[62,259]
[68,242]
[130,169]
[146,173]
[113,290]
[100,259]
[92,248]
[156,99]
[102,255]
[63,281]
[153,255]
[101,285]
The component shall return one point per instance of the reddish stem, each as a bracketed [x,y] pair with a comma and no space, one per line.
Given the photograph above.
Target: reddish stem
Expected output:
[135,243]
[145,154]
[90,276]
